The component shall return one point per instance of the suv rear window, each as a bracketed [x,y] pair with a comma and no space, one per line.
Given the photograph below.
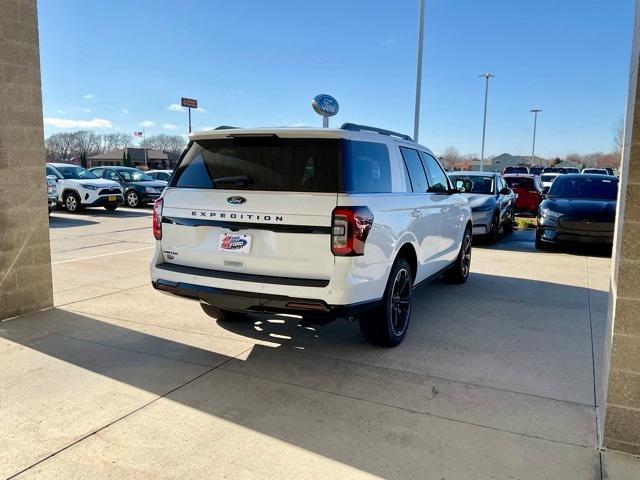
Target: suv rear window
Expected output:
[524,182]
[286,164]
[261,163]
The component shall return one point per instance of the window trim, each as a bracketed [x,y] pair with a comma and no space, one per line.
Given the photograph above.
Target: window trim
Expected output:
[406,167]
[446,177]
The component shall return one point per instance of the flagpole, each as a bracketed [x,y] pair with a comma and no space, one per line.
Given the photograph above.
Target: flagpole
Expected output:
[144,147]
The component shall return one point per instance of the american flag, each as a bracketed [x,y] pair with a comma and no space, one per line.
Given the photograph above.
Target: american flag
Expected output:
[137,134]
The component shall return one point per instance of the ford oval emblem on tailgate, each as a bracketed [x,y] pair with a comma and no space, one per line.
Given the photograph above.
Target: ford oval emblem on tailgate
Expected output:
[236,200]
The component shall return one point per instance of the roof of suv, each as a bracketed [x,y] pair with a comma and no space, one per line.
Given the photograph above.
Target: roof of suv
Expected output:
[347,131]
[58,164]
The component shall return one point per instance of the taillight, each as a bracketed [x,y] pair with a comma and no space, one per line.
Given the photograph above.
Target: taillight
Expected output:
[350,228]
[157,219]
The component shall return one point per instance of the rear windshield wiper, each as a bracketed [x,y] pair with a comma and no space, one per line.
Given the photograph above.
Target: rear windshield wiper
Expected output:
[240,180]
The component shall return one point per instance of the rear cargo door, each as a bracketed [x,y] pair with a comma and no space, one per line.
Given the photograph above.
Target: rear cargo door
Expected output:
[259,205]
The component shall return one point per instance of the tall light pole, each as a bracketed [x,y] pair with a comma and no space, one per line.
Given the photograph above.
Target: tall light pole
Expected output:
[486,76]
[535,124]
[416,116]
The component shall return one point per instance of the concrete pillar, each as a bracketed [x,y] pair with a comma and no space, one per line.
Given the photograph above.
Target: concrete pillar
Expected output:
[25,259]
[622,415]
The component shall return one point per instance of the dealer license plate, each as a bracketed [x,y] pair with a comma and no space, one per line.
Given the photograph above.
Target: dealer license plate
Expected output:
[235,243]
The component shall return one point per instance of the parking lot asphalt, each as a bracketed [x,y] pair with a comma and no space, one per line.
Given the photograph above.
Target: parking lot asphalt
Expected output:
[494,380]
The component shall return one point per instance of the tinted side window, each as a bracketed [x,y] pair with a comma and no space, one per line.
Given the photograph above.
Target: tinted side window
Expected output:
[437,177]
[52,171]
[111,175]
[366,167]
[414,167]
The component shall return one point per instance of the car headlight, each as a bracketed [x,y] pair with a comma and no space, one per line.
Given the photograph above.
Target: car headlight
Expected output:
[548,213]
[484,208]
[90,187]
[151,190]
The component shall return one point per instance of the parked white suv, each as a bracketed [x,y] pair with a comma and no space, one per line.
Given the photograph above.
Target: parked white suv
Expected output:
[79,188]
[321,223]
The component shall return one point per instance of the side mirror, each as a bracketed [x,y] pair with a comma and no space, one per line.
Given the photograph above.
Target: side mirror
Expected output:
[505,191]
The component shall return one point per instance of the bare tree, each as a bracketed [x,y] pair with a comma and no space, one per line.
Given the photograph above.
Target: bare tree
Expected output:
[450,156]
[114,141]
[86,142]
[169,143]
[618,136]
[59,146]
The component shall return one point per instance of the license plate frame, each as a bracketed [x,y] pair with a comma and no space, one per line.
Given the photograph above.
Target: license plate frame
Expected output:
[234,243]
[112,198]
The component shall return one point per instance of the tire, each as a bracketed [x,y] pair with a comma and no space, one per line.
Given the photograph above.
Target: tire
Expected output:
[111,208]
[539,243]
[387,325]
[492,236]
[509,225]
[222,315]
[132,199]
[71,202]
[459,271]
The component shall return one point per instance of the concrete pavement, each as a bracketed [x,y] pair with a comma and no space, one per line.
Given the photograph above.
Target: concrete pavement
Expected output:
[494,380]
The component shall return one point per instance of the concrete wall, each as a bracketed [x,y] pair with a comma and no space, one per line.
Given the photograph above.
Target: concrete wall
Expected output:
[25,262]
[622,416]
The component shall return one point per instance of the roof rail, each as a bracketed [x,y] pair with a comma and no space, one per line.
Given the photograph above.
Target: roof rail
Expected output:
[354,127]
[226,127]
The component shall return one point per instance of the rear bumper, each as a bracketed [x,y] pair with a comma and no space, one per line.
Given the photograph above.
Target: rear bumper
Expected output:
[527,206]
[149,197]
[240,301]
[104,201]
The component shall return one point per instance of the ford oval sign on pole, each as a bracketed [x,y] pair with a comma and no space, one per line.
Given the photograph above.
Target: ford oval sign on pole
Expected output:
[326,106]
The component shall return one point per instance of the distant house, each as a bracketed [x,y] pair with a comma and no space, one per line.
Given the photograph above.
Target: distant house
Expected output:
[155,159]
[529,160]
[498,163]
[568,164]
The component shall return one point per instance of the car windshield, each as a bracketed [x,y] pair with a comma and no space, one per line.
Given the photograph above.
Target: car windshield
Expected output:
[73,172]
[584,187]
[548,178]
[596,170]
[480,184]
[134,175]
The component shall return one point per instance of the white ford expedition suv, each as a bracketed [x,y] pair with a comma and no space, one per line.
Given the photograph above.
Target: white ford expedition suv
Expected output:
[321,223]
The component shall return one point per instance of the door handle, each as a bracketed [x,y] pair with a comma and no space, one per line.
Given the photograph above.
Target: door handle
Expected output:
[415,213]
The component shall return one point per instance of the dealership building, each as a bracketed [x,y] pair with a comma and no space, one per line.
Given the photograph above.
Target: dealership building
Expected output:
[139,158]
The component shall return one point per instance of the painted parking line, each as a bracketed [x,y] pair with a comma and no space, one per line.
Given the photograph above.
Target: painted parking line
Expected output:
[103,255]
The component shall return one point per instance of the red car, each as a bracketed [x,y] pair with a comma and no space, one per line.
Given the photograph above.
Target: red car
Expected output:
[529,190]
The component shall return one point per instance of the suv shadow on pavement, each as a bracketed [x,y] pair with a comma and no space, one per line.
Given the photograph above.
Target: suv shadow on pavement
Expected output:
[57,221]
[325,391]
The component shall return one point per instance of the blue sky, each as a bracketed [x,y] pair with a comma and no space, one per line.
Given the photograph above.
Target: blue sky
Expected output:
[114,65]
